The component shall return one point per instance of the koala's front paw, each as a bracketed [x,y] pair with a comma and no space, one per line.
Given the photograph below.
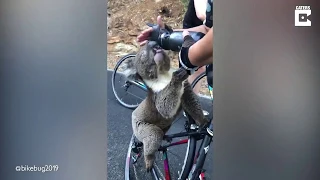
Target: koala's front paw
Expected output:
[181,74]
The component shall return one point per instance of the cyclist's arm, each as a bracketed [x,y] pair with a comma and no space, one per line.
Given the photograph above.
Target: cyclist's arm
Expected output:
[202,28]
[200,53]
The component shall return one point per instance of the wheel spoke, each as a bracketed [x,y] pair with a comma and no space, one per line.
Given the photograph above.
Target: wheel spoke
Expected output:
[127,92]
[175,121]
[135,173]
[158,170]
[175,155]
[120,81]
[135,96]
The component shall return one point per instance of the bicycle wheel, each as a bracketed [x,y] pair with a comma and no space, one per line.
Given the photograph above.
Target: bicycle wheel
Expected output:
[204,93]
[122,87]
[180,160]
[207,104]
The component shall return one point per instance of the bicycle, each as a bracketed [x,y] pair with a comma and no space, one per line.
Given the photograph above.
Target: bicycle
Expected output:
[126,84]
[192,167]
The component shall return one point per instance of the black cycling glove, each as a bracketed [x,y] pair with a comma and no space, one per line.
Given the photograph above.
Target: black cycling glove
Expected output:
[184,61]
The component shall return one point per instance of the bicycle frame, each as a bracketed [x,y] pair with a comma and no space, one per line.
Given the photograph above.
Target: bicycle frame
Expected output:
[163,149]
[201,156]
[202,152]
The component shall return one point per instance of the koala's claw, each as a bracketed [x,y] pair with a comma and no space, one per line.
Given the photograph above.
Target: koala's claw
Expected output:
[181,74]
[204,123]
[149,163]
[149,168]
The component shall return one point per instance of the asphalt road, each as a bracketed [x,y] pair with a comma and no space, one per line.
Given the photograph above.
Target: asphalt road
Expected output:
[119,134]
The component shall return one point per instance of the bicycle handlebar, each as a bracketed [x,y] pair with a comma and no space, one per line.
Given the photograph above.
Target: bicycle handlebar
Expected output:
[170,40]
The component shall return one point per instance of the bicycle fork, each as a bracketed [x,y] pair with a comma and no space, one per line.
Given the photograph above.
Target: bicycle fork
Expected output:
[197,171]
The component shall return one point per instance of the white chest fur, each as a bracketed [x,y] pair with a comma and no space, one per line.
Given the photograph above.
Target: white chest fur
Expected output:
[161,82]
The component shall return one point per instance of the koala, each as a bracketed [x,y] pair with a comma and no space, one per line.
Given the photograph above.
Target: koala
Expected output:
[168,93]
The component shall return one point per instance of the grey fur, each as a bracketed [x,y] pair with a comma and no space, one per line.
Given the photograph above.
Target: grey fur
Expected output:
[155,114]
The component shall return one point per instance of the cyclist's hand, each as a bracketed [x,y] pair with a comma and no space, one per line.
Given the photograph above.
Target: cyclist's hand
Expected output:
[145,34]
[184,61]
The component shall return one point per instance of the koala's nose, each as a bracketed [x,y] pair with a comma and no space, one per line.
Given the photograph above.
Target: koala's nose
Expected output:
[152,44]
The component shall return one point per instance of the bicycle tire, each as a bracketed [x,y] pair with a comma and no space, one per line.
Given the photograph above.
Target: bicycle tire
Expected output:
[130,106]
[202,157]
[205,104]
[198,78]
[189,157]
[197,168]
[185,168]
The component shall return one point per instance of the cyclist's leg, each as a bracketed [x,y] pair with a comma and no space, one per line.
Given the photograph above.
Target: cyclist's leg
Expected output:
[190,18]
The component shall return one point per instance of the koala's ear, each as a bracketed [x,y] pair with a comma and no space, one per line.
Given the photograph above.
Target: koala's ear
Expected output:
[130,70]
